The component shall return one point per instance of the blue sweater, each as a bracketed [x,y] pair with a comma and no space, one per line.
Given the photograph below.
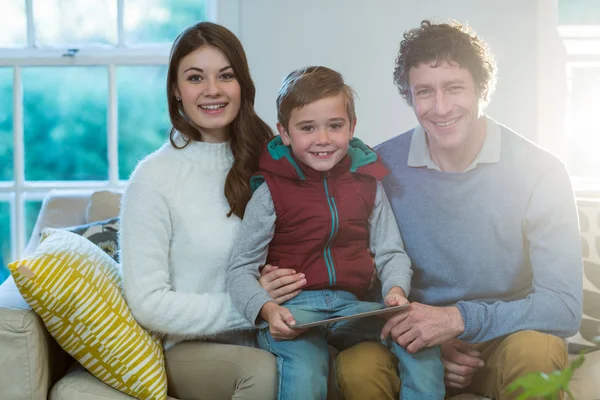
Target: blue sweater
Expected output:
[501,241]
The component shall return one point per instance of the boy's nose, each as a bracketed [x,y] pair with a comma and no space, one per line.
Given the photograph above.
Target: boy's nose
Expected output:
[323,136]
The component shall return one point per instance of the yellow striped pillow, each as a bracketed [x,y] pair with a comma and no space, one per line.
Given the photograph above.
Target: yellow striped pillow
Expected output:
[75,287]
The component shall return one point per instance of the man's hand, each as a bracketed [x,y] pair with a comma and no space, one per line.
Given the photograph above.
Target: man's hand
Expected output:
[421,326]
[279,317]
[395,297]
[461,362]
[281,284]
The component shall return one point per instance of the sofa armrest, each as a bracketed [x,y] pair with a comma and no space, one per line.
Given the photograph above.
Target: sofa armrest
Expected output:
[31,360]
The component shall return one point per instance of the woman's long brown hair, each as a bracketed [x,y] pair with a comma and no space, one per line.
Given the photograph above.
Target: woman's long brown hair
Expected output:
[248,132]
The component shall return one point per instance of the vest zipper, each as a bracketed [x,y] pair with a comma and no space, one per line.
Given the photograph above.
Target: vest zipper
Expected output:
[334,229]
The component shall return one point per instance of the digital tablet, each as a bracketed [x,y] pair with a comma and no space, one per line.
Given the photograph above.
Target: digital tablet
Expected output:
[303,323]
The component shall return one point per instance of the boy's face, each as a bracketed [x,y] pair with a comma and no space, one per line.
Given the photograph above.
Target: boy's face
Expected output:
[319,133]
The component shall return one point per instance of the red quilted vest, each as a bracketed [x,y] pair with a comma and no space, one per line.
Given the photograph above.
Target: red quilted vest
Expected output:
[322,226]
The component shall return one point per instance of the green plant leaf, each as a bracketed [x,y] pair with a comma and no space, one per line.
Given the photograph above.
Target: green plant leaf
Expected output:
[539,384]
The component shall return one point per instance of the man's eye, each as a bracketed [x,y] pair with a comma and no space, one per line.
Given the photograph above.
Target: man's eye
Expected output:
[423,92]
[455,88]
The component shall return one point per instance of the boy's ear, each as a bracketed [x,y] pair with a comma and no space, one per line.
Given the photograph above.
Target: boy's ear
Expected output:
[352,128]
[285,137]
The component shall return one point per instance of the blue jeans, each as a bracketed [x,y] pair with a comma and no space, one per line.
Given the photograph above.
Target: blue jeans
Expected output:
[303,363]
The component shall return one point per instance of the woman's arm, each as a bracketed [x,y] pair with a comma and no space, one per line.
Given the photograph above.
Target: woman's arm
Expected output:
[145,238]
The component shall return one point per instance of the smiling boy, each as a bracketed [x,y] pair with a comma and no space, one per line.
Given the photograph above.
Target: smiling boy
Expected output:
[320,209]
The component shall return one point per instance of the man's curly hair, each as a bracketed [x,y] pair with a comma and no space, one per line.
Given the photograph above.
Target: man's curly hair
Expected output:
[436,43]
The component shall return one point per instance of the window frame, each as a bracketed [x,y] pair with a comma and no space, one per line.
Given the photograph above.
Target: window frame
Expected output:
[582,45]
[19,191]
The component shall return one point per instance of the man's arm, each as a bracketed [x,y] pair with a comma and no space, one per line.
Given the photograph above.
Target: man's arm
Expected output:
[391,261]
[555,304]
[250,253]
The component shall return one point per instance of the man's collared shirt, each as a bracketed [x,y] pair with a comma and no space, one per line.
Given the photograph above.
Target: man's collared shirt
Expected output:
[419,156]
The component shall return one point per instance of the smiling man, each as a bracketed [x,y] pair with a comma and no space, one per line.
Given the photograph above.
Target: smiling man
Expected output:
[489,221]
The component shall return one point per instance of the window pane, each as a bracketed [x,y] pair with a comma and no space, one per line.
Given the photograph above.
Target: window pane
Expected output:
[65,123]
[154,21]
[4,239]
[578,12]
[143,116]
[75,22]
[13,24]
[32,209]
[6,124]
[584,131]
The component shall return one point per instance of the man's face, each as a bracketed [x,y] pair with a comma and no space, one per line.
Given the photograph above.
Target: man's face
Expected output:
[319,133]
[446,103]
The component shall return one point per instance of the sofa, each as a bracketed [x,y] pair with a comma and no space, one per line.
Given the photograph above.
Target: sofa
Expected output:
[34,367]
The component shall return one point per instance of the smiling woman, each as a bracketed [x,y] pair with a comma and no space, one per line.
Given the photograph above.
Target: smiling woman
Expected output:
[179,216]
[209,92]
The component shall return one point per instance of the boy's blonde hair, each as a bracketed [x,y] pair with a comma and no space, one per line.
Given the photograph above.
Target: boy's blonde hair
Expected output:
[307,85]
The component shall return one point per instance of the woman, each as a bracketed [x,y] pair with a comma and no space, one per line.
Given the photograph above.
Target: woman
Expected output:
[180,214]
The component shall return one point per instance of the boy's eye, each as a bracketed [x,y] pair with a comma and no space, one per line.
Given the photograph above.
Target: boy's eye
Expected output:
[306,128]
[335,126]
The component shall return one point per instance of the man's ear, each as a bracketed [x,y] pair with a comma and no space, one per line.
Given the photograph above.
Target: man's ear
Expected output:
[285,137]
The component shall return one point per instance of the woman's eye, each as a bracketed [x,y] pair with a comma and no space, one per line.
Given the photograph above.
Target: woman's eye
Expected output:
[227,76]
[194,78]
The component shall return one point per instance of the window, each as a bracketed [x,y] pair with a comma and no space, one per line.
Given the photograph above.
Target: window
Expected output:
[579,27]
[82,98]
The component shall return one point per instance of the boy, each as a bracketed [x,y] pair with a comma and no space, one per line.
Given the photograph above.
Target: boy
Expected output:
[324,213]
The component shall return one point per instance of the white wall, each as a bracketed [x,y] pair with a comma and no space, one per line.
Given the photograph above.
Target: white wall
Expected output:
[361,38]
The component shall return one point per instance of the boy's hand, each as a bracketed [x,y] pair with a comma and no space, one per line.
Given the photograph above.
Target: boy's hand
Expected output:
[279,317]
[395,297]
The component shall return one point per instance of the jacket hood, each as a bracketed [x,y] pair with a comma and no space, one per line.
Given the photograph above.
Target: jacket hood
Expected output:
[277,159]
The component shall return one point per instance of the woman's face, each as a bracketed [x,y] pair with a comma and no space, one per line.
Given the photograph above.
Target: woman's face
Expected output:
[209,92]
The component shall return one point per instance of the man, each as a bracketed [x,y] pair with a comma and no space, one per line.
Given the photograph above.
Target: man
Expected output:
[490,223]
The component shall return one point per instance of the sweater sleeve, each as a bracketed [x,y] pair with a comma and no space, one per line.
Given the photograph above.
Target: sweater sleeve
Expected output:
[145,235]
[555,304]
[391,261]
[250,254]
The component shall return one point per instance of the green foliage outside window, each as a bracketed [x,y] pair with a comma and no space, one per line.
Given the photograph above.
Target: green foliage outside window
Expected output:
[65,116]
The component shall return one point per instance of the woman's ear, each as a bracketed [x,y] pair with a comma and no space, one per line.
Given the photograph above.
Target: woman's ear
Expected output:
[285,137]
[176,93]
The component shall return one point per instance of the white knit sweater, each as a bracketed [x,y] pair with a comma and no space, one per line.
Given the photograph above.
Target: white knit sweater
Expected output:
[176,240]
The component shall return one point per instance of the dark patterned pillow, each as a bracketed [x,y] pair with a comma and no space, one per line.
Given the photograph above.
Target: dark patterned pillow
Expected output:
[103,234]
[589,221]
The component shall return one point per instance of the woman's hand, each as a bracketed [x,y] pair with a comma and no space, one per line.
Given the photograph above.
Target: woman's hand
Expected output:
[282,284]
